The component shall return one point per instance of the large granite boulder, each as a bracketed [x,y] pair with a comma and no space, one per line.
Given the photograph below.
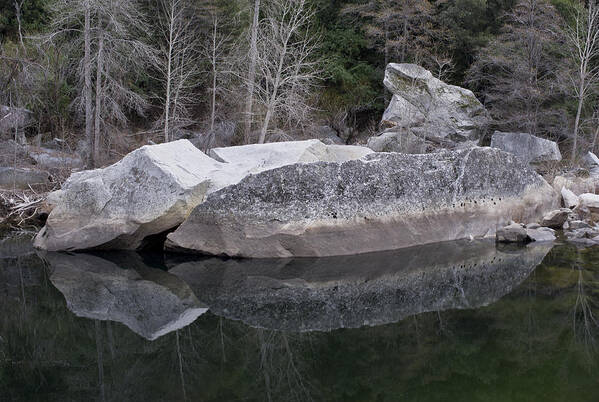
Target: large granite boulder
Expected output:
[150,190]
[381,202]
[528,147]
[149,301]
[154,188]
[393,140]
[431,108]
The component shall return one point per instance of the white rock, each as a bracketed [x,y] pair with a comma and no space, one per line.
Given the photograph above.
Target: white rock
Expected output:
[570,199]
[590,201]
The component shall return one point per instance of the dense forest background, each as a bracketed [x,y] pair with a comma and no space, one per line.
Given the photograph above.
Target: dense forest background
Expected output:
[105,75]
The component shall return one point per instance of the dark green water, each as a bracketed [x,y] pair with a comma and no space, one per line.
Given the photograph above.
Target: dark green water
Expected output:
[451,322]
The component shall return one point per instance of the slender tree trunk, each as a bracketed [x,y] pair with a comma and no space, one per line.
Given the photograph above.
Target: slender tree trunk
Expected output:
[213,112]
[405,40]
[18,15]
[99,73]
[87,92]
[595,139]
[577,120]
[252,73]
[167,102]
[273,97]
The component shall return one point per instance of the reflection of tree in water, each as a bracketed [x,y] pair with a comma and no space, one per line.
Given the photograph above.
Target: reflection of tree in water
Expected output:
[584,322]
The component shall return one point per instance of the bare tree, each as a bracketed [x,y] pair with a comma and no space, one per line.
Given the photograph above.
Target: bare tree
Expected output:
[286,63]
[179,61]
[215,50]
[584,44]
[112,37]
[251,79]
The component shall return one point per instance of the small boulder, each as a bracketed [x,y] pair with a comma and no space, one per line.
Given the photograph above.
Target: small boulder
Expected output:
[591,160]
[21,178]
[577,184]
[514,233]
[570,199]
[590,201]
[555,219]
[393,140]
[541,234]
[573,225]
[528,147]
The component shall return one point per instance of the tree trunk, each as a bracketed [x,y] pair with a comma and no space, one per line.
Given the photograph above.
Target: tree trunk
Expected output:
[99,73]
[251,74]
[87,92]
[213,112]
[167,102]
[577,120]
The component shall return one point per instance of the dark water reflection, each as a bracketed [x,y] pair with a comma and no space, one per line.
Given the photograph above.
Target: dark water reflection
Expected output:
[455,321]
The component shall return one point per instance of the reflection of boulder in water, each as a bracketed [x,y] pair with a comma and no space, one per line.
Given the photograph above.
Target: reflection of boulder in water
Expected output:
[349,292]
[149,301]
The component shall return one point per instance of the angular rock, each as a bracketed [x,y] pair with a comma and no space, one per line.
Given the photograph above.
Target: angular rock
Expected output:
[431,108]
[528,147]
[555,219]
[381,202]
[395,141]
[533,226]
[21,178]
[154,188]
[570,199]
[149,191]
[514,233]
[591,160]
[149,301]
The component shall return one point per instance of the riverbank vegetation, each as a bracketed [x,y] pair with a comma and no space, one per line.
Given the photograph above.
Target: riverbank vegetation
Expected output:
[106,76]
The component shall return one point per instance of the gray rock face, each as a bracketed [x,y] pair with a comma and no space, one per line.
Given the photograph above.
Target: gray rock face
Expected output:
[149,301]
[528,147]
[324,294]
[11,117]
[154,188]
[430,107]
[514,233]
[22,178]
[381,202]
[578,185]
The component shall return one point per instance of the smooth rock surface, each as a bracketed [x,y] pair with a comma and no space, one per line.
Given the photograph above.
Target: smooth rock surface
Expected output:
[569,198]
[256,158]
[384,201]
[590,201]
[431,108]
[541,234]
[528,147]
[149,301]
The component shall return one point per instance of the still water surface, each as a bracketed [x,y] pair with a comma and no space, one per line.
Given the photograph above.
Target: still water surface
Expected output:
[446,322]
